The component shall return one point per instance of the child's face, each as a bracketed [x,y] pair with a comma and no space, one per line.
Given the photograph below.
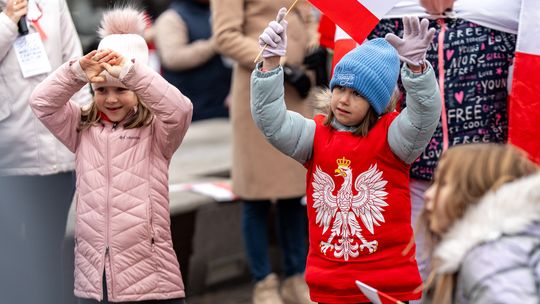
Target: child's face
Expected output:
[115,102]
[348,106]
[436,205]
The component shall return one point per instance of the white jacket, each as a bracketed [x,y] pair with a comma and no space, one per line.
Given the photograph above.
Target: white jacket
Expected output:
[500,15]
[26,146]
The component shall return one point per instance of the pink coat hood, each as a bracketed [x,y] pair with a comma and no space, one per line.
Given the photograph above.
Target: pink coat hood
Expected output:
[122,203]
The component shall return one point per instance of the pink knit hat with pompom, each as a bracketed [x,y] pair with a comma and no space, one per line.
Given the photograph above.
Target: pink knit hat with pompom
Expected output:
[121,31]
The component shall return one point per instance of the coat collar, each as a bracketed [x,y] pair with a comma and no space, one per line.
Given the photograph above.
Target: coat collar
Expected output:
[509,210]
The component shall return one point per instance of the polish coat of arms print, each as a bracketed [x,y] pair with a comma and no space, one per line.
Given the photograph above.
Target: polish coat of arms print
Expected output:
[340,212]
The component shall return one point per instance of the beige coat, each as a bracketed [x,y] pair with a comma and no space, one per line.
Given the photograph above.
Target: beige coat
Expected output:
[259,170]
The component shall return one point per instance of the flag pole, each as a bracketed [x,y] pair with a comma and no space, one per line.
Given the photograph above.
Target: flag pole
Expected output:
[264,48]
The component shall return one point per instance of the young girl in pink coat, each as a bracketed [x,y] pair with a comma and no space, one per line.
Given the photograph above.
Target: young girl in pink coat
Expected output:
[123,144]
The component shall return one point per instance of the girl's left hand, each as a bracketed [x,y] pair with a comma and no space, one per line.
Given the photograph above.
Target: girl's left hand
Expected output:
[112,62]
[416,39]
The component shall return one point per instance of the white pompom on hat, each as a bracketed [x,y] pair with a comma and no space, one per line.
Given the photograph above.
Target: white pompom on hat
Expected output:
[122,31]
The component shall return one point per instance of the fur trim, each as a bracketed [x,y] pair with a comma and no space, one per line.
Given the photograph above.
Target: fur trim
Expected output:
[321,101]
[126,20]
[509,210]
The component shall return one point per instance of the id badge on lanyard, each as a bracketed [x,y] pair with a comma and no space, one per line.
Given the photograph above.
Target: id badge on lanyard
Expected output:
[29,49]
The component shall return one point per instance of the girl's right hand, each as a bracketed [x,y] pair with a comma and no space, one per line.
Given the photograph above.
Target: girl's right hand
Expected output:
[91,66]
[274,36]
[113,63]
[15,9]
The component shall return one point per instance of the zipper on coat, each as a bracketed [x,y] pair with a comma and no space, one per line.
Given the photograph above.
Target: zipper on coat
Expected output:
[111,273]
[104,277]
[107,216]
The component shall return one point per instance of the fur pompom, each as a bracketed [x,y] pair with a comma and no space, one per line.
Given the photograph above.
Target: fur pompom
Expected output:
[125,20]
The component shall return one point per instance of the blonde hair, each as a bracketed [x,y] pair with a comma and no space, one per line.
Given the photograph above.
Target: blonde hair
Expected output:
[135,119]
[471,171]
[322,104]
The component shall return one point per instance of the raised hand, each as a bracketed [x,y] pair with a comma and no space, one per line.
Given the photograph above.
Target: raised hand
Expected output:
[112,62]
[95,62]
[416,38]
[274,36]
[91,67]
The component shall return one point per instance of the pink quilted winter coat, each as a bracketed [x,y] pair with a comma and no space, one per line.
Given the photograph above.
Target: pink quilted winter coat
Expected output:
[123,221]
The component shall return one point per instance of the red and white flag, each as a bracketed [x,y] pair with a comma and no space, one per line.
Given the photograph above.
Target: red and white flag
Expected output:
[343,43]
[375,296]
[355,17]
[524,106]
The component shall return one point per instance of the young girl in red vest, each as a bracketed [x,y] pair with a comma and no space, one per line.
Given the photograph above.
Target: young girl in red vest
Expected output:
[123,144]
[357,157]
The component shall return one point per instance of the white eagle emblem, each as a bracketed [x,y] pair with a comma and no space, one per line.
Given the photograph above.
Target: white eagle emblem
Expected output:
[344,208]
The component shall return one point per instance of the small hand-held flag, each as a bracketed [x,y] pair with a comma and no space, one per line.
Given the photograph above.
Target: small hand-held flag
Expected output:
[265,46]
[356,17]
[343,43]
[375,296]
[524,105]
[354,20]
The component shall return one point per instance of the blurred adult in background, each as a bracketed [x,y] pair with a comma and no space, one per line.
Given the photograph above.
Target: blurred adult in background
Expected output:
[154,8]
[189,58]
[36,170]
[472,54]
[87,17]
[262,175]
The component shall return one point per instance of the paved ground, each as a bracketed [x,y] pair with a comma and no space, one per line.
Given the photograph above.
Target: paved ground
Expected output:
[229,293]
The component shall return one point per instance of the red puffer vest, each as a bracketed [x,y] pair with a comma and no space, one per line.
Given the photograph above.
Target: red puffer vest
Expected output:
[359,214]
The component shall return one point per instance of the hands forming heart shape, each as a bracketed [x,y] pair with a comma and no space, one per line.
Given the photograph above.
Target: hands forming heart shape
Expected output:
[95,62]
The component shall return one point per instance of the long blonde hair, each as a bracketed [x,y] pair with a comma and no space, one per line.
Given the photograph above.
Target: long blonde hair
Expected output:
[322,105]
[141,116]
[472,170]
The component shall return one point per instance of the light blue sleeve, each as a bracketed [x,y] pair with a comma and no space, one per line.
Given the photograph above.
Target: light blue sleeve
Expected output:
[412,130]
[288,131]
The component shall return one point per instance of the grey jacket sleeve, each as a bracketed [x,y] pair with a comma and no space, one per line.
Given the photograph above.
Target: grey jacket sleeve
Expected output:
[288,131]
[503,271]
[412,130]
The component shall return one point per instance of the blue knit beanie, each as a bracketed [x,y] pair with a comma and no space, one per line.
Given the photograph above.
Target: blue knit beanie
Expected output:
[372,69]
